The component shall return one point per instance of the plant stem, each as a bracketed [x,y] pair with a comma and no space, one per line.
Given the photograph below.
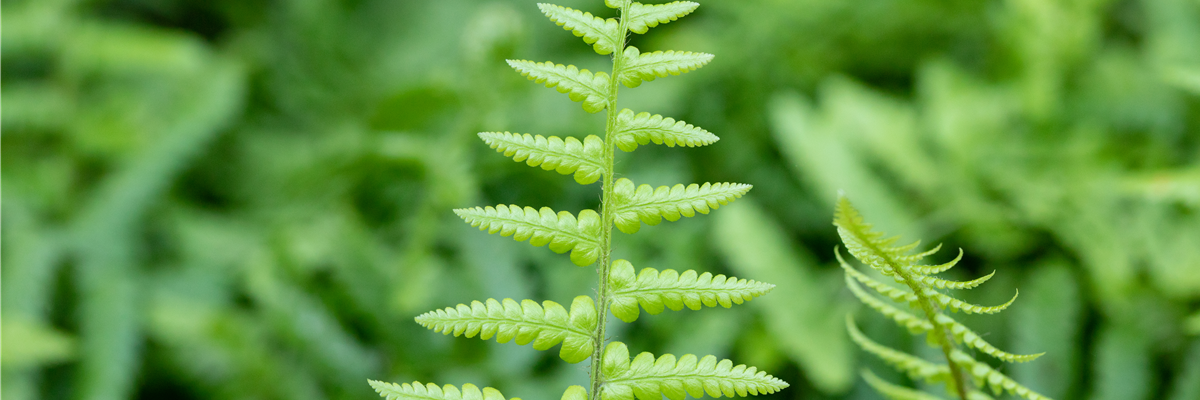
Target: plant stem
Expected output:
[931,312]
[606,215]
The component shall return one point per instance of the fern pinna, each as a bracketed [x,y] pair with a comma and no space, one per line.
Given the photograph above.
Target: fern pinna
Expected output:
[588,235]
[942,331]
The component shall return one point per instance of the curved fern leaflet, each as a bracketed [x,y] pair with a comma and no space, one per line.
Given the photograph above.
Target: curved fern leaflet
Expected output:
[579,84]
[654,290]
[429,391]
[650,378]
[562,231]
[585,159]
[643,128]
[645,67]
[642,17]
[546,325]
[647,204]
[602,32]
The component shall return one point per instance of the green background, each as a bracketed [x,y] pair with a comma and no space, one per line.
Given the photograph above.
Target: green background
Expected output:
[251,199]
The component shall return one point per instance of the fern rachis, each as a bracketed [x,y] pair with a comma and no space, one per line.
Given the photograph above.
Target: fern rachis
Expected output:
[580,332]
[923,296]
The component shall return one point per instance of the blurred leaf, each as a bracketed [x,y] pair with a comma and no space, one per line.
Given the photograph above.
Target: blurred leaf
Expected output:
[797,313]
[31,344]
[1048,319]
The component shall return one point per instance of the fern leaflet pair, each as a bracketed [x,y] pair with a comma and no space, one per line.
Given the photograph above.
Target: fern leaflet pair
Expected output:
[942,331]
[580,330]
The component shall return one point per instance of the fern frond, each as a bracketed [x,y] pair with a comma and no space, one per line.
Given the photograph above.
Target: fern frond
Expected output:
[429,391]
[913,323]
[653,290]
[562,231]
[545,325]
[913,366]
[970,338]
[946,301]
[604,33]
[643,128]
[646,204]
[998,382]
[937,269]
[645,67]
[580,84]
[945,284]
[585,159]
[642,17]
[894,392]
[648,378]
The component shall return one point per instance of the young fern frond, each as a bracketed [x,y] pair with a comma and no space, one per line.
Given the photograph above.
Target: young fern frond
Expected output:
[588,236]
[943,332]
[429,391]
[650,378]
[562,231]
[653,289]
[643,128]
[584,159]
[647,204]
[545,325]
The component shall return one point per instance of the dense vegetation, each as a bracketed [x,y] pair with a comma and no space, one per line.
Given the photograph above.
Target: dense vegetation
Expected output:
[232,199]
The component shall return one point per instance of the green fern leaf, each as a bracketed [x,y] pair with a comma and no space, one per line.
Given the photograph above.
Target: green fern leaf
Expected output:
[642,17]
[970,338]
[916,368]
[562,231]
[646,204]
[937,269]
[580,85]
[648,378]
[894,392]
[913,323]
[429,391]
[645,67]
[546,325]
[604,33]
[653,290]
[946,301]
[585,159]
[632,130]
[896,294]
[995,380]
[945,284]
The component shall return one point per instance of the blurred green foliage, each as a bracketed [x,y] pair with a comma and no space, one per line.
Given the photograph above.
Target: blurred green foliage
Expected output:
[251,200]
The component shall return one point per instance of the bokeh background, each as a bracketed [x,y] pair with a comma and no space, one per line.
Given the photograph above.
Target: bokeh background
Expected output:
[251,199]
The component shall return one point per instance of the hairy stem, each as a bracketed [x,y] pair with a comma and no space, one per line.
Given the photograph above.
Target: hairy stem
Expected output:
[606,211]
